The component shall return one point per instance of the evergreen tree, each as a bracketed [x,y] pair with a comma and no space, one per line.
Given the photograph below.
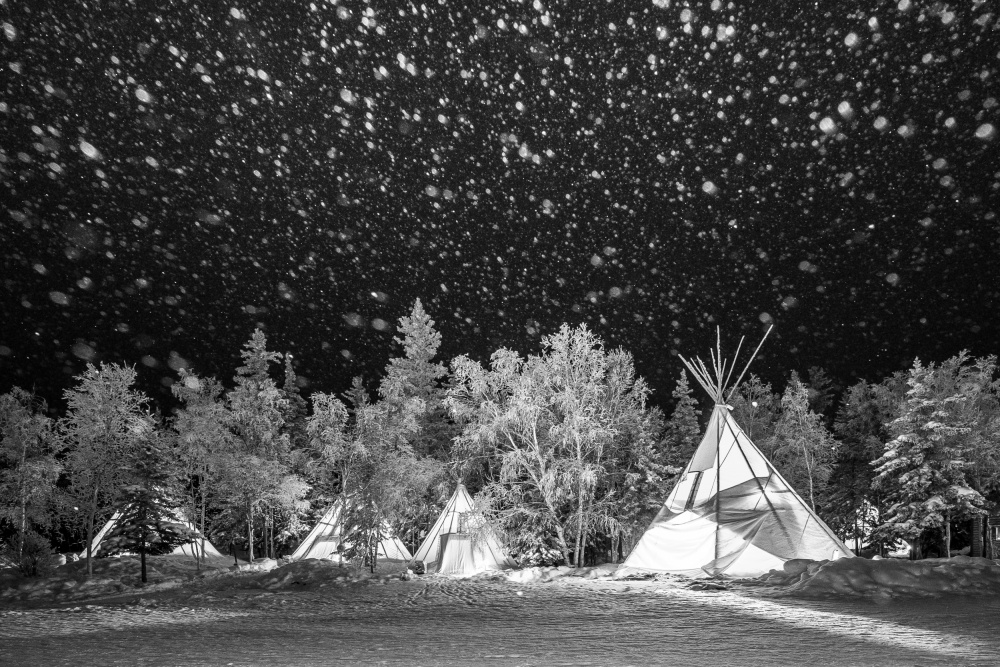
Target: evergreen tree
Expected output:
[822,391]
[682,434]
[860,427]
[922,471]
[297,408]
[149,523]
[256,404]
[756,409]
[416,375]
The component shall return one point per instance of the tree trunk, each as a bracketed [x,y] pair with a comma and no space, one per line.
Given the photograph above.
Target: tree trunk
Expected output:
[90,534]
[947,535]
[24,506]
[142,547]
[579,527]
[563,547]
[976,550]
[201,539]
[250,537]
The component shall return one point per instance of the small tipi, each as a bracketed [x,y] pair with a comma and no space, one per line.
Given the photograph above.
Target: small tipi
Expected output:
[200,546]
[731,512]
[328,534]
[456,545]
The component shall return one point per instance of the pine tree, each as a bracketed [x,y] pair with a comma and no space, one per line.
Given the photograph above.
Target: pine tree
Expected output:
[756,409]
[923,469]
[860,429]
[256,404]
[682,433]
[149,523]
[297,407]
[822,391]
[416,375]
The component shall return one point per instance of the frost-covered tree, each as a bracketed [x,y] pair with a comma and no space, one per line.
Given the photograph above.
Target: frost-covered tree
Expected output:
[150,499]
[29,471]
[203,438]
[554,424]
[104,425]
[417,375]
[923,470]
[756,409]
[682,433]
[334,451]
[253,495]
[256,404]
[801,447]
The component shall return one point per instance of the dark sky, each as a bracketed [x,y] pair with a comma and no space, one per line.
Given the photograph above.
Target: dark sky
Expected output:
[175,174]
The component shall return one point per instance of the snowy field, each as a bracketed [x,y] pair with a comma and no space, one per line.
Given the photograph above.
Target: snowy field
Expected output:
[292,617]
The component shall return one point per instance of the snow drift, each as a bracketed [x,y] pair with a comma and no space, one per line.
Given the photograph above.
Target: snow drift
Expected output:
[852,577]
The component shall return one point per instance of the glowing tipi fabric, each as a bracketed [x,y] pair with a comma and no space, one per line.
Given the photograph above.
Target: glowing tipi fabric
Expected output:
[731,512]
[194,549]
[455,545]
[327,535]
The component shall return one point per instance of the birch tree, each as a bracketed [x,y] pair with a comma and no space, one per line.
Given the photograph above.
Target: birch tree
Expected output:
[202,439]
[103,426]
[801,447]
[551,423]
[28,470]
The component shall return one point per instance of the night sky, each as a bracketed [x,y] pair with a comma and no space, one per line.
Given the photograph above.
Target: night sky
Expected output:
[174,174]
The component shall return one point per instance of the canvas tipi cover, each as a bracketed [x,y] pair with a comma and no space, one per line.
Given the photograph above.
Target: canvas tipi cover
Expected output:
[192,549]
[323,540]
[731,512]
[451,546]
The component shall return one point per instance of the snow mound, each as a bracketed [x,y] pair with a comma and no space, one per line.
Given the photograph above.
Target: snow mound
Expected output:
[258,565]
[541,575]
[112,576]
[860,577]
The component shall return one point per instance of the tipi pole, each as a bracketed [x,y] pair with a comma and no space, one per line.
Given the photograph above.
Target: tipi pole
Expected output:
[752,357]
[718,485]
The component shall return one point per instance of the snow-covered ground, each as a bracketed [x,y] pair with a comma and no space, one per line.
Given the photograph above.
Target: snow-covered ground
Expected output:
[316,613]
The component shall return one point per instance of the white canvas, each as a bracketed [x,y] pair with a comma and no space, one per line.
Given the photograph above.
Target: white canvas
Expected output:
[732,513]
[462,552]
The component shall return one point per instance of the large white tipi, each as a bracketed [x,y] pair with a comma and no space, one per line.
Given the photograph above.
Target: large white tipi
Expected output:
[731,512]
[328,534]
[200,546]
[458,543]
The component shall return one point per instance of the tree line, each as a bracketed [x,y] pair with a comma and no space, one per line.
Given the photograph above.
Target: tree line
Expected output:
[569,460]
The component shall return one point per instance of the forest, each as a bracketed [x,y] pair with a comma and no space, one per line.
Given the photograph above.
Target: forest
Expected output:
[568,459]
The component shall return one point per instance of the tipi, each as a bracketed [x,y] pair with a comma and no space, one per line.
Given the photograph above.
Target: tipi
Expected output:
[323,540]
[731,512]
[193,549]
[451,547]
